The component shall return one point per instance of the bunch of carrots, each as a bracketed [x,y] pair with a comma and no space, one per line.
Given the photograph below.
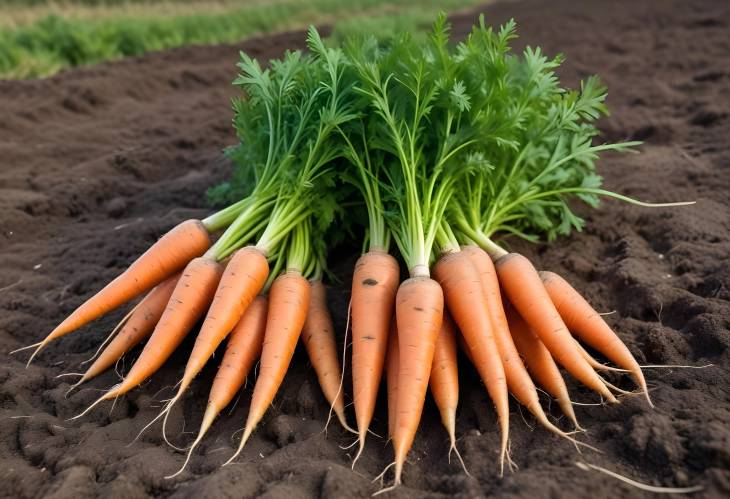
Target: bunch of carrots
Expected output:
[436,147]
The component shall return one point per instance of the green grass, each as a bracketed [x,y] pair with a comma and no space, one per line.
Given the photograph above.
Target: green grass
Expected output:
[35,43]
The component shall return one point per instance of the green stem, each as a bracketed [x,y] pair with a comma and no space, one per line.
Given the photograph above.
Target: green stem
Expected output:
[498,217]
[299,256]
[446,239]
[224,217]
[250,217]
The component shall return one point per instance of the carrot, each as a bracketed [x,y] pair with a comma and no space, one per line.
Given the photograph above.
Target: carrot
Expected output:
[419,309]
[593,362]
[374,286]
[169,254]
[244,347]
[525,291]
[465,298]
[518,380]
[318,336]
[391,376]
[288,303]
[138,327]
[192,295]
[540,362]
[589,326]
[243,278]
[444,381]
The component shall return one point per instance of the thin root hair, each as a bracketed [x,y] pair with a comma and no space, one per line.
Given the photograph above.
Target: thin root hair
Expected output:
[642,486]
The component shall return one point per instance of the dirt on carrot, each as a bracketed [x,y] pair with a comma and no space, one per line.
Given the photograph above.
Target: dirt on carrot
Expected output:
[128,147]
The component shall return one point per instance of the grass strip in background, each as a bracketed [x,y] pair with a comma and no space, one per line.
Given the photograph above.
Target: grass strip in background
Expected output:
[39,38]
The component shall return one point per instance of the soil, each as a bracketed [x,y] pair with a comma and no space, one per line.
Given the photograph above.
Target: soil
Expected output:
[97,162]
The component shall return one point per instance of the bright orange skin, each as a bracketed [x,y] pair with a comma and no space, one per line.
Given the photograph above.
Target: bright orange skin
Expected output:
[244,348]
[191,298]
[588,325]
[419,312]
[518,379]
[540,362]
[526,293]
[288,303]
[168,255]
[444,382]
[374,286]
[465,299]
[391,376]
[318,336]
[139,326]
[243,279]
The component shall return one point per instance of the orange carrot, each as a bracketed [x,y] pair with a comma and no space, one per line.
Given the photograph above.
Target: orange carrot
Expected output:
[525,291]
[374,286]
[589,326]
[518,380]
[444,381]
[192,295]
[169,254]
[419,310]
[139,326]
[244,347]
[318,336]
[540,362]
[391,376]
[288,303]
[243,278]
[465,299]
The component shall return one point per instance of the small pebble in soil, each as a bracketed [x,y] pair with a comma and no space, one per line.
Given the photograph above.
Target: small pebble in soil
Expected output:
[116,207]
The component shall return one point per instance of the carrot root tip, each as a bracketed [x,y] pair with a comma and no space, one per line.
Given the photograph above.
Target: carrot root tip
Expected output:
[187,457]
[36,352]
[74,386]
[361,440]
[27,347]
[639,485]
[246,434]
[167,411]
[147,426]
[98,401]
[458,455]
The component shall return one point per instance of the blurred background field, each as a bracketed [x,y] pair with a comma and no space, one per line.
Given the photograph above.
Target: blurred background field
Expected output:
[41,37]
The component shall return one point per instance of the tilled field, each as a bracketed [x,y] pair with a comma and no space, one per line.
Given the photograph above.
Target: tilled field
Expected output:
[95,163]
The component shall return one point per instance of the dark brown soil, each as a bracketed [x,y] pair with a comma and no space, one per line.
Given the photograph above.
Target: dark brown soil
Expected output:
[97,162]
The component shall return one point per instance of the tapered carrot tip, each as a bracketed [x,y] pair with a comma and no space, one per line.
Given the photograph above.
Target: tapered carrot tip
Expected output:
[112,393]
[361,447]
[210,414]
[588,325]
[246,435]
